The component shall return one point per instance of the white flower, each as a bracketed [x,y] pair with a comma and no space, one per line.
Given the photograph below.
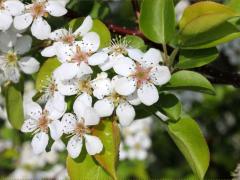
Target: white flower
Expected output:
[11,48]
[76,58]
[78,125]
[67,36]
[141,76]
[9,8]
[105,106]
[180,7]
[40,121]
[50,91]
[35,12]
[119,48]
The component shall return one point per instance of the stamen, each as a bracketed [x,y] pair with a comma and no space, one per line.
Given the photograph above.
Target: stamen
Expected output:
[119,45]
[141,74]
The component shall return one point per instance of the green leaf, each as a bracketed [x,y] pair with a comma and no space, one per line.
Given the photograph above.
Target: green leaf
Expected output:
[196,58]
[98,26]
[108,132]
[170,105]
[222,33]
[190,141]
[234,4]
[14,104]
[157,20]
[202,16]
[46,71]
[189,80]
[85,167]
[136,42]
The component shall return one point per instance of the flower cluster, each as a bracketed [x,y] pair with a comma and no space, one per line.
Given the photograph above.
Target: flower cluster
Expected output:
[136,140]
[105,82]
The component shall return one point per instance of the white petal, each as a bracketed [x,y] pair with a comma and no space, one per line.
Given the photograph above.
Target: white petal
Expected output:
[84,69]
[68,87]
[93,144]
[148,94]
[151,58]
[29,125]
[55,9]
[135,54]
[83,101]
[23,44]
[58,34]
[39,142]
[133,99]
[40,29]
[68,122]
[108,64]
[6,21]
[160,75]
[85,27]
[7,40]
[66,71]
[33,110]
[29,65]
[97,58]
[104,107]
[90,116]
[74,146]
[12,73]
[14,7]
[56,129]
[90,42]
[124,66]
[125,113]
[56,106]
[23,21]
[125,86]
[64,52]
[49,51]
[102,87]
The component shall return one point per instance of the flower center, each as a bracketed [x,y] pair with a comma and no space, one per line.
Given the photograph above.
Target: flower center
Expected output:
[85,86]
[119,46]
[116,98]
[49,86]
[141,74]
[43,122]
[38,10]
[81,129]
[80,56]
[138,146]
[11,57]
[69,39]
[2,7]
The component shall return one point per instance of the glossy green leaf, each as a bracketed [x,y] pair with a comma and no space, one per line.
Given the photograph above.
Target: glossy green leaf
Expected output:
[222,33]
[202,16]
[98,26]
[135,42]
[189,80]
[157,20]
[190,141]
[108,132]
[14,105]
[85,167]
[170,105]
[45,72]
[196,58]
[234,4]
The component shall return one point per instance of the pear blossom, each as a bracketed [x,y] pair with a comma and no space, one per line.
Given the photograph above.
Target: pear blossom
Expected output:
[142,75]
[34,14]
[40,121]
[8,9]
[76,58]
[11,61]
[119,48]
[78,125]
[50,91]
[64,36]
[123,104]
